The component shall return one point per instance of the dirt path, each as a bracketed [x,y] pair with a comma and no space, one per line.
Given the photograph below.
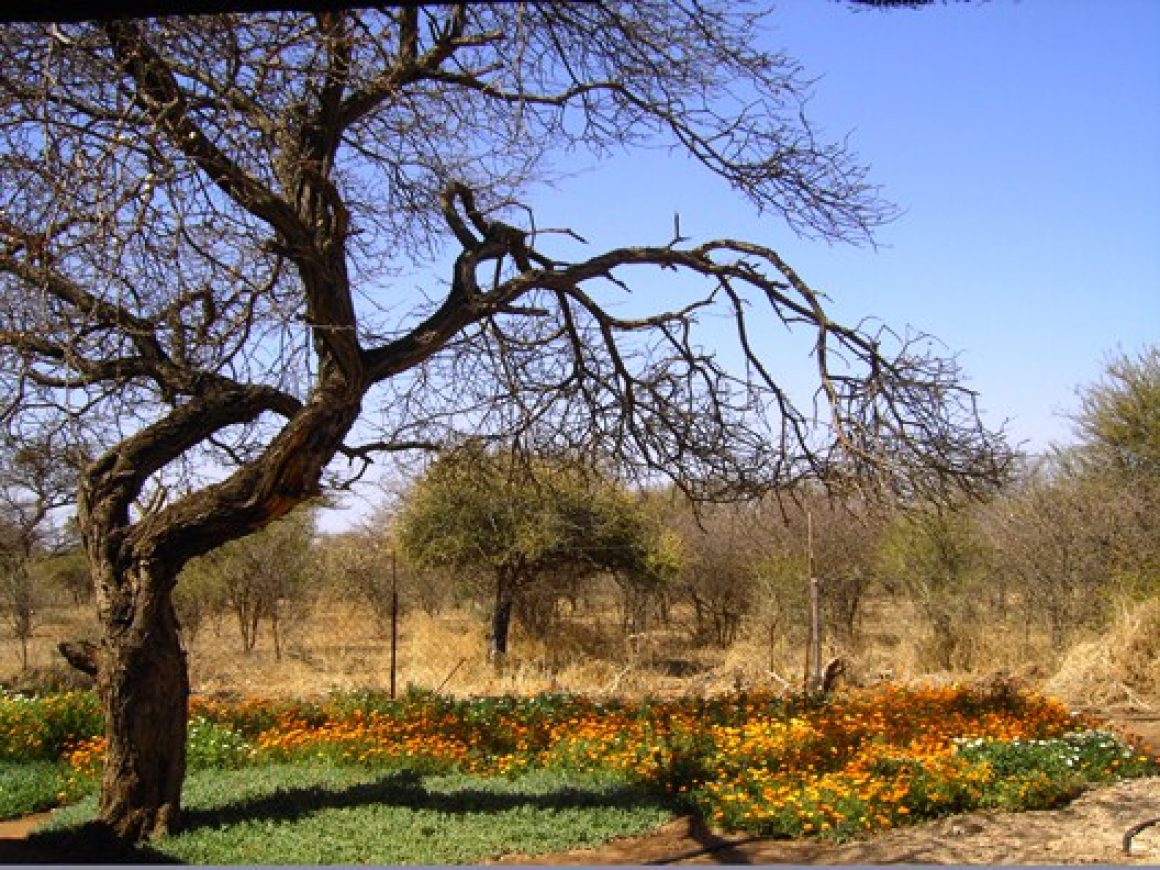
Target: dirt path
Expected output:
[1090,830]
[18,829]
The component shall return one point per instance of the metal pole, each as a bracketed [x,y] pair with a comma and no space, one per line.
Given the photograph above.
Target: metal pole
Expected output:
[394,620]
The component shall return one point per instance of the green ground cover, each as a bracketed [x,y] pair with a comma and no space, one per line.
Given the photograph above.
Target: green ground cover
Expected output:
[428,779]
[327,814]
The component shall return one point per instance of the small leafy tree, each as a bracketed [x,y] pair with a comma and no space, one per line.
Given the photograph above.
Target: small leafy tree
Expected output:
[520,523]
[1119,418]
[645,594]
[262,577]
[69,572]
[937,556]
[1119,421]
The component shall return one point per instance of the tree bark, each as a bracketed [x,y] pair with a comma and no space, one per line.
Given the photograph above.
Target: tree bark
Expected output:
[501,617]
[143,681]
[141,668]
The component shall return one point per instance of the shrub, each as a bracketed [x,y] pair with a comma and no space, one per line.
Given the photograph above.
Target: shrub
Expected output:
[47,726]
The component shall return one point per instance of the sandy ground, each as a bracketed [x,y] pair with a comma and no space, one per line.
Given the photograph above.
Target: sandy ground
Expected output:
[1090,830]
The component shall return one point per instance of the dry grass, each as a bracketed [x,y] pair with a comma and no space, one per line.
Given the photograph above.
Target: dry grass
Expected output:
[1120,667]
[337,646]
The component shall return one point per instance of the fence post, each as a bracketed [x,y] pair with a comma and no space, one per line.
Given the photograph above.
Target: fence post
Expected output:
[394,620]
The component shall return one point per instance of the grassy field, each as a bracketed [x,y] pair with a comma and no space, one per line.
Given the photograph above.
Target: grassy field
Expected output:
[318,813]
[336,646]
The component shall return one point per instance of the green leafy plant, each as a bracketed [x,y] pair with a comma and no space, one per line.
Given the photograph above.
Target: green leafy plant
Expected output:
[212,745]
[43,727]
[30,787]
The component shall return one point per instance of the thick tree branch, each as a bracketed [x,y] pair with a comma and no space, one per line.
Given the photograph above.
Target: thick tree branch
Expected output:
[169,109]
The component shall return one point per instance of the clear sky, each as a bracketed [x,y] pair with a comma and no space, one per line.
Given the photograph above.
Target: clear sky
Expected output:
[1021,138]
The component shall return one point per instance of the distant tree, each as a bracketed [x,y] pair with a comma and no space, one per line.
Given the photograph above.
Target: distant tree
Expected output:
[647,590]
[33,483]
[1083,526]
[69,571]
[1119,418]
[1054,539]
[721,548]
[781,606]
[521,524]
[265,576]
[203,221]
[366,564]
[938,557]
[1119,422]
[752,561]
[843,539]
[19,594]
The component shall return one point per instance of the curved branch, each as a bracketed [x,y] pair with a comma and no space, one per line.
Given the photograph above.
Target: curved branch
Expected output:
[111,484]
[166,103]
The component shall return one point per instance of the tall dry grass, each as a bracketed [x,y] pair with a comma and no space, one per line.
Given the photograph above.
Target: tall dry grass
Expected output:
[1120,667]
[338,646]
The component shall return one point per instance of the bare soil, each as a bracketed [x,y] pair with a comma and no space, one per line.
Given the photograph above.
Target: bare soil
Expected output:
[1088,831]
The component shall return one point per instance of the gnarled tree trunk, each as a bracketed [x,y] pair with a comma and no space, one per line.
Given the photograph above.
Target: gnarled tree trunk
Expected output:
[145,690]
[140,665]
[143,681]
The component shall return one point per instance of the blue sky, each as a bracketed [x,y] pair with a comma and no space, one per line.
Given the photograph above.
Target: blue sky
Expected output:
[1022,141]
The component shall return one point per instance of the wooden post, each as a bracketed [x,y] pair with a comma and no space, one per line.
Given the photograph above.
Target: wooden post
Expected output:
[815,636]
[813,674]
[394,621]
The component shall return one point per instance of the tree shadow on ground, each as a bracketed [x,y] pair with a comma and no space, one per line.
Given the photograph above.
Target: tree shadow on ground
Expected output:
[91,842]
[405,789]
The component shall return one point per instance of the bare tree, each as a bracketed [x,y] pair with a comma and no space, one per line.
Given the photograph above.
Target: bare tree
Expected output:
[18,593]
[202,226]
[33,483]
[722,547]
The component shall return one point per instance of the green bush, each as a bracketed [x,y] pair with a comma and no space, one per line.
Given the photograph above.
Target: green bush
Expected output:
[1039,774]
[45,726]
[30,787]
[1091,755]
[212,745]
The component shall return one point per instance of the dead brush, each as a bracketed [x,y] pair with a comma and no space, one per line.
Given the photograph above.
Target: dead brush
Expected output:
[1121,667]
